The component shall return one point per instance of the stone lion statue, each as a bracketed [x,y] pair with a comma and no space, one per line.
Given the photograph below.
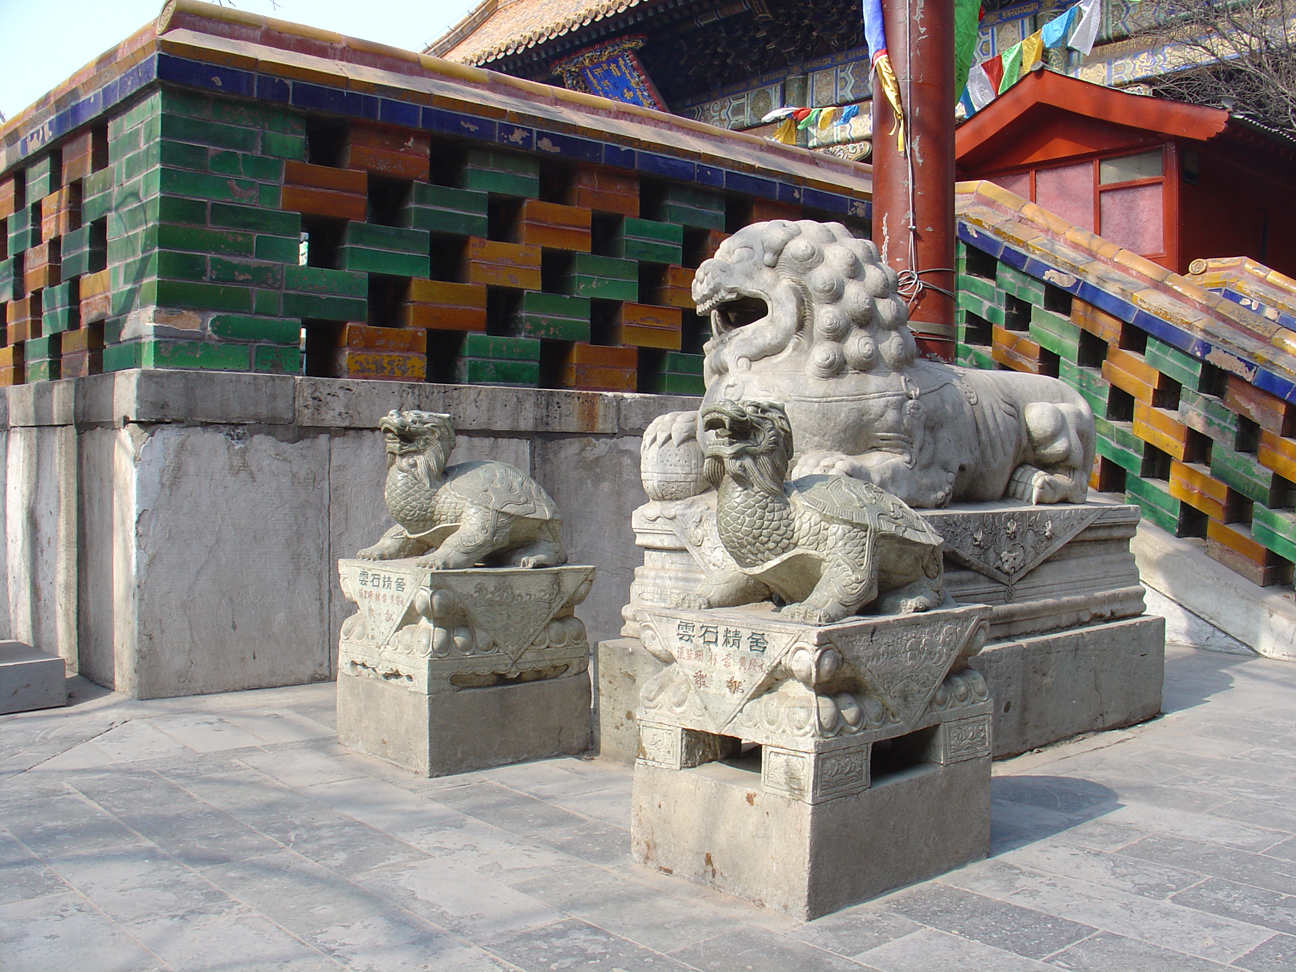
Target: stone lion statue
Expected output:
[828,546]
[454,517]
[805,314]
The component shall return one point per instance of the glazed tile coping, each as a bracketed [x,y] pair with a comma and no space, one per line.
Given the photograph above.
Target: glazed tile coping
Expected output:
[494,29]
[1172,308]
[230,51]
[1253,285]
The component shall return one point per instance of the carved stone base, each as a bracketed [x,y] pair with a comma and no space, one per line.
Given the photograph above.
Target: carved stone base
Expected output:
[454,732]
[724,826]
[443,671]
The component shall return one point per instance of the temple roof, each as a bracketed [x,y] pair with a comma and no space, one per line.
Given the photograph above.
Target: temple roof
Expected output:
[498,27]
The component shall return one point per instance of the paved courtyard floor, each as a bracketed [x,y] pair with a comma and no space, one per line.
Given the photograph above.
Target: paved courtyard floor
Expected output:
[231,832]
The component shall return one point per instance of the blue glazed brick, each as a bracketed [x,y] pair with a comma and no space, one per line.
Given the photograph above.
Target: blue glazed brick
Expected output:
[709,175]
[861,208]
[453,123]
[569,147]
[788,193]
[664,165]
[137,77]
[752,185]
[398,112]
[273,89]
[110,93]
[338,102]
[226,80]
[619,155]
[1274,385]
[829,201]
[515,136]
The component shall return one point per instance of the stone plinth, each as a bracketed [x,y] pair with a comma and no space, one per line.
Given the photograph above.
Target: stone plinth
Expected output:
[443,671]
[805,768]
[30,679]
[1069,649]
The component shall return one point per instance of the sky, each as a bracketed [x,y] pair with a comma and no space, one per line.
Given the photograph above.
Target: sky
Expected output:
[46,41]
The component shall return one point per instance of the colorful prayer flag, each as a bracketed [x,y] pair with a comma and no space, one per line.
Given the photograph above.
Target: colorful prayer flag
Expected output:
[980,90]
[786,132]
[1056,31]
[1086,30]
[1032,51]
[967,16]
[1012,64]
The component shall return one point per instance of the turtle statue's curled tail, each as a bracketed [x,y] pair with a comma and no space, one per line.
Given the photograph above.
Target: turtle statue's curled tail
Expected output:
[827,546]
[455,517]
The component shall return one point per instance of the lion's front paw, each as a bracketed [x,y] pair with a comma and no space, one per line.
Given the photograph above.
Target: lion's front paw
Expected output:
[690,602]
[674,427]
[433,561]
[807,614]
[829,464]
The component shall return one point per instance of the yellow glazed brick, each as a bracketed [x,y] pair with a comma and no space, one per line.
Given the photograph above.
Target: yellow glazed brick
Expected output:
[1141,264]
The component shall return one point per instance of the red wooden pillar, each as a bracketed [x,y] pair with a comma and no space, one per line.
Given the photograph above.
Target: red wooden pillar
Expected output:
[920,41]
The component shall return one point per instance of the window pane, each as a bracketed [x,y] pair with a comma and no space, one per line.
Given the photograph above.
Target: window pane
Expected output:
[1132,218]
[1018,182]
[1129,167]
[1068,192]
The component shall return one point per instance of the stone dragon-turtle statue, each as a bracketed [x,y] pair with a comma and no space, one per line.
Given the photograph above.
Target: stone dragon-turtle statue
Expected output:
[828,546]
[805,314]
[455,517]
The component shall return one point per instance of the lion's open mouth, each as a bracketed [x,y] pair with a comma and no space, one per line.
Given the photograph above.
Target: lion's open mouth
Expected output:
[729,311]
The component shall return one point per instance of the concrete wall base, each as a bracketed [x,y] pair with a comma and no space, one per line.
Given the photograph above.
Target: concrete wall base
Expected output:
[30,679]
[623,667]
[714,825]
[454,732]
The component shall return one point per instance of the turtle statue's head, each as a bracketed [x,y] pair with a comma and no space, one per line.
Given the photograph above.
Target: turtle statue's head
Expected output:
[418,442]
[748,441]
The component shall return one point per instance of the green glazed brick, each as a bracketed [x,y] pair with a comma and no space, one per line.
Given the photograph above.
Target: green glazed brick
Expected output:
[324,308]
[387,262]
[276,359]
[1089,382]
[1018,284]
[253,218]
[44,369]
[22,234]
[238,327]
[445,210]
[983,288]
[694,196]
[265,302]
[1170,361]
[247,273]
[125,220]
[42,178]
[488,346]
[649,241]
[319,280]
[278,248]
[181,155]
[500,183]
[971,356]
[1241,471]
[204,185]
[204,132]
[220,242]
[1208,415]
[203,296]
[1152,513]
[120,357]
[1130,461]
[55,320]
[672,383]
[602,277]
[474,371]
[41,348]
[1121,433]
[8,272]
[503,161]
[552,316]
[984,309]
[268,195]
[375,237]
[1275,530]
[143,109]
[692,216]
[60,295]
[195,354]
[680,363]
[282,146]
[256,167]
[1056,329]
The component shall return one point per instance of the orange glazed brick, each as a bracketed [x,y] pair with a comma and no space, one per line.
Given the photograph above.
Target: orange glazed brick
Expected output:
[1015,350]
[80,364]
[1134,365]
[10,376]
[645,326]
[23,319]
[1233,546]
[445,306]
[1194,485]
[12,357]
[362,337]
[1160,427]
[601,355]
[1278,453]
[396,165]
[598,378]
[554,225]
[605,191]
[1114,370]
[407,141]
[60,212]
[96,296]
[764,210]
[82,339]
[8,198]
[41,266]
[711,242]
[322,202]
[1265,410]
[502,264]
[1096,322]
[676,289]
[380,366]
[83,154]
[325,177]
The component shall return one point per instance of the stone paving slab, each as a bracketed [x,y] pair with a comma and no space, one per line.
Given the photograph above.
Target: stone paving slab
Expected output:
[232,832]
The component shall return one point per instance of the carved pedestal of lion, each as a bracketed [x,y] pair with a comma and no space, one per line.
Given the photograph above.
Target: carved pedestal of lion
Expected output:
[806,768]
[445,671]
